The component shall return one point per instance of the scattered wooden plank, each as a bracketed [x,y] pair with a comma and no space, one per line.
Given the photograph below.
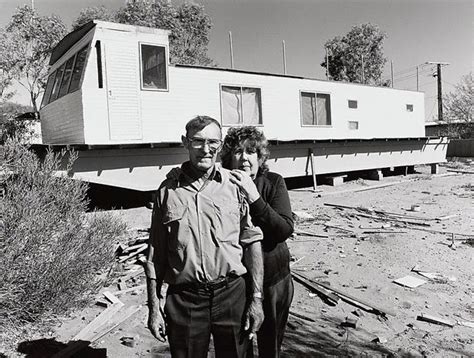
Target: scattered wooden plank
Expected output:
[123,259]
[382,212]
[121,317]
[440,232]
[92,328]
[134,247]
[76,346]
[300,316]
[339,228]
[329,297]
[371,187]
[296,261]
[447,217]
[460,171]
[435,320]
[409,281]
[308,233]
[131,289]
[369,307]
[466,323]
[375,217]
[384,232]
[111,297]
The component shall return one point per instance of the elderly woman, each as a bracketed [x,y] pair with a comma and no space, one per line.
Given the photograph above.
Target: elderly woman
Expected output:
[245,150]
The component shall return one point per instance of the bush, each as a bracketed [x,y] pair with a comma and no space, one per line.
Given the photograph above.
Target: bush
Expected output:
[53,255]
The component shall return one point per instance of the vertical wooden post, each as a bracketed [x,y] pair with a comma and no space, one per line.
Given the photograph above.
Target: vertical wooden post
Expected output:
[313,173]
[284,57]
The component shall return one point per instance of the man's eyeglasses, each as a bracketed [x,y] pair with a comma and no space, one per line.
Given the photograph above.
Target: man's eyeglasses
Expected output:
[213,144]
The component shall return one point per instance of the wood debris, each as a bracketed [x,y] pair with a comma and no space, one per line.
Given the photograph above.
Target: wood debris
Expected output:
[334,292]
[435,320]
[409,281]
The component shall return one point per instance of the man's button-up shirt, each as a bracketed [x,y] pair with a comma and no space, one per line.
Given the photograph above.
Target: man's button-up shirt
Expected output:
[199,231]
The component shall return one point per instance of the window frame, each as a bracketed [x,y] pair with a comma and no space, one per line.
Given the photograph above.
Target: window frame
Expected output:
[301,109]
[73,58]
[140,44]
[222,105]
[47,96]
[87,48]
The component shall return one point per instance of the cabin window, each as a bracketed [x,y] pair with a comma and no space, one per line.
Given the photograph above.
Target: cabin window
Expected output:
[241,105]
[352,103]
[98,53]
[409,108]
[153,67]
[78,69]
[315,109]
[353,125]
[66,77]
[57,82]
[48,90]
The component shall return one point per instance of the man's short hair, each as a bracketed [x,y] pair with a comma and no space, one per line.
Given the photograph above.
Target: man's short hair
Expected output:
[198,123]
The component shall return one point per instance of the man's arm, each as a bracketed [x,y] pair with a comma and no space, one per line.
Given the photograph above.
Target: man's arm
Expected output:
[155,271]
[253,261]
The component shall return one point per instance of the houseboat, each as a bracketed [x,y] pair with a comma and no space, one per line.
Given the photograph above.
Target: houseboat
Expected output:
[113,96]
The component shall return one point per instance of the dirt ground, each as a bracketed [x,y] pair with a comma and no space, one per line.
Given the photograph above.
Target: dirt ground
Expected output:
[361,256]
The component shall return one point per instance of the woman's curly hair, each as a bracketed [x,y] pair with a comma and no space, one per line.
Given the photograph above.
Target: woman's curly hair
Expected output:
[248,137]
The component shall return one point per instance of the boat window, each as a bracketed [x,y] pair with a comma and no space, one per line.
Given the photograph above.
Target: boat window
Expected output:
[98,53]
[241,105]
[352,103]
[154,76]
[48,90]
[315,109]
[78,69]
[57,82]
[66,77]
[353,125]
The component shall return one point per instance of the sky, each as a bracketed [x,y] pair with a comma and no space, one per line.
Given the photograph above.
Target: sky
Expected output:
[417,31]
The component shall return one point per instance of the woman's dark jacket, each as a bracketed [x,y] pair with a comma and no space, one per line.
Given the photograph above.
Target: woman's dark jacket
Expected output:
[272,213]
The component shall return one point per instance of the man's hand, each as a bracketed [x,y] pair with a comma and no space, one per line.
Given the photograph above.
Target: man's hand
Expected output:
[156,323]
[254,317]
[246,184]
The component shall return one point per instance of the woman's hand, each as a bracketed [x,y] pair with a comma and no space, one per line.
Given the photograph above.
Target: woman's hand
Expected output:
[246,184]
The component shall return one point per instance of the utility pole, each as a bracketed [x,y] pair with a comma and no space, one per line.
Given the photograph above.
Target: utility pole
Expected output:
[284,56]
[33,5]
[231,50]
[391,71]
[327,62]
[440,89]
[417,79]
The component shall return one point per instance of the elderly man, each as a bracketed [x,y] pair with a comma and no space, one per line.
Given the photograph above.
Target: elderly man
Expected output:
[203,243]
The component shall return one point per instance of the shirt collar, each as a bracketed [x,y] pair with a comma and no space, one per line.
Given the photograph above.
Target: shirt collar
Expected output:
[189,174]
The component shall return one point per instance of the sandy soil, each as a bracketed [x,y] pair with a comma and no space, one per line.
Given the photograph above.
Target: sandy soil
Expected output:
[361,264]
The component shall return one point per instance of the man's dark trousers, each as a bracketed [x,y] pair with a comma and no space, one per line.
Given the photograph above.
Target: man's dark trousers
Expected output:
[193,314]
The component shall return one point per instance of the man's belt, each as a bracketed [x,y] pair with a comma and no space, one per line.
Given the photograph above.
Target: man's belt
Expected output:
[207,285]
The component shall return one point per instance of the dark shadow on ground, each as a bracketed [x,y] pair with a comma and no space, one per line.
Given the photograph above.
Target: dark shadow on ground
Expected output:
[47,347]
[325,339]
[106,197]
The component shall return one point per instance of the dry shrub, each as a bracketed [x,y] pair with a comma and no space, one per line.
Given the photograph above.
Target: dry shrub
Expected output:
[53,255]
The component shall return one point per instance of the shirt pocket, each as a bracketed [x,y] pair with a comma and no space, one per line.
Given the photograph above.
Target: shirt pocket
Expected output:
[228,225]
[177,224]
